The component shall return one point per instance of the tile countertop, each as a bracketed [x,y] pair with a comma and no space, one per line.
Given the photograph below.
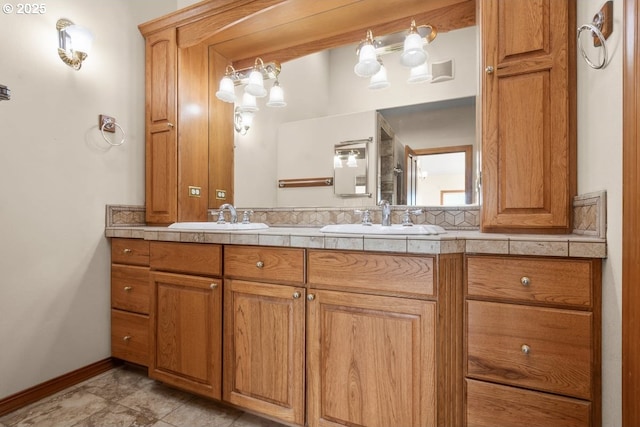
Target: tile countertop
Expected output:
[454,241]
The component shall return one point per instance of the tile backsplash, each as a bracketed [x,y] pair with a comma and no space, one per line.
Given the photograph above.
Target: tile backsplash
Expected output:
[589,211]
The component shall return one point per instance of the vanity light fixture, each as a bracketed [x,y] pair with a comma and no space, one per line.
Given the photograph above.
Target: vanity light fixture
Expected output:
[253,80]
[74,43]
[410,42]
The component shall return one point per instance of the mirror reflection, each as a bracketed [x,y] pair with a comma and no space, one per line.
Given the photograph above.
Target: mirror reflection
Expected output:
[350,168]
[327,103]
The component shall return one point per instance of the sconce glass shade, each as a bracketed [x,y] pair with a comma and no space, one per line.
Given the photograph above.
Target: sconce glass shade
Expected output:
[337,161]
[413,53]
[276,96]
[249,103]
[226,91]
[74,43]
[351,161]
[379,80]
[420,74]
[255,86]
[242,120]
[368,63]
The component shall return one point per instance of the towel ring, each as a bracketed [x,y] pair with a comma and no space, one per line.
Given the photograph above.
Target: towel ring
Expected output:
[593,27]
[110,124]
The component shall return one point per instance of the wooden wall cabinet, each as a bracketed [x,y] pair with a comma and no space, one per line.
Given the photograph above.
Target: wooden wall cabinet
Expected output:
[528,96]
[130,300]
[186,316]
[264,331]
[532,328]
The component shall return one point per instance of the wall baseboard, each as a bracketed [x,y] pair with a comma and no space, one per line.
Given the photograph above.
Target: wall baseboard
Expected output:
[47,388]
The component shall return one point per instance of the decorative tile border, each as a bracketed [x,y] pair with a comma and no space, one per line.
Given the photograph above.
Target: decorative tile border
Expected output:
[590,214]
[589,211]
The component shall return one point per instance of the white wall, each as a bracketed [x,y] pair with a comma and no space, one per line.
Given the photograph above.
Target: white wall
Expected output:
[600,167]
[57,175]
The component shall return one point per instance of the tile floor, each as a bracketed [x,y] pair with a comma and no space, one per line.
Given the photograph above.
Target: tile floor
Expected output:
[125,396]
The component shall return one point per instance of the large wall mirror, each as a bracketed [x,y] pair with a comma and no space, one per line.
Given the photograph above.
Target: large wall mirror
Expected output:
[327,103]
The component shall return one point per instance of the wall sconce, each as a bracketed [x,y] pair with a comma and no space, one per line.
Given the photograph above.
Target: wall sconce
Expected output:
[253,78]
[74,43]
[413,55]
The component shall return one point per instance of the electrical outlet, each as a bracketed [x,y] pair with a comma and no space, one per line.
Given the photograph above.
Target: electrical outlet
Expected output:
[221,194]
[195,191]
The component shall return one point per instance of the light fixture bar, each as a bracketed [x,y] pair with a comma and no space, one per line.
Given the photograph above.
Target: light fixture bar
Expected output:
[270,71]
[395,42]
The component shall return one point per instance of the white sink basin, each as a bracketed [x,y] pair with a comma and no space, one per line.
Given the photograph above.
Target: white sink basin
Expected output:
[379,229]
[227,226]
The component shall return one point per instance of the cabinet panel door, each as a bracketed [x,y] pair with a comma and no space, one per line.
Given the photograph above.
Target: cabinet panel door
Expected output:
[186,335]
[371,360]
[264,348]
[528,115]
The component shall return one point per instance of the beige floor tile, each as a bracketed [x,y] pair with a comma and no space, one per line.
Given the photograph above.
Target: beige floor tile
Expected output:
[202,413]
[117,416]
[250,420]
[155,400]
[116,384]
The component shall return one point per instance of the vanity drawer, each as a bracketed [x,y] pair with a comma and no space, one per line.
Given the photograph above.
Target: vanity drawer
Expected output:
[130,337]
[130,251]
[190,258]
[492,405]
[541,348]
[392,274]
[551,281]
[130,288]
[283,265]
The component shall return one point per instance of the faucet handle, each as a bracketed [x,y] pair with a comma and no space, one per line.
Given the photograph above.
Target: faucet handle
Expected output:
[406,217]
[220,216]
[366,216]
[245,216]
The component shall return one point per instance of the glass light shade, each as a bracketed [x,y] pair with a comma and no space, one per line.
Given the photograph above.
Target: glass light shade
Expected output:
[351,161]
[420,74]
[368,63]
[81,38]
[226,91]
[249,103]
[247,119]
[255,86]
[379,80]
[337,162]
[276,96]
[413,53]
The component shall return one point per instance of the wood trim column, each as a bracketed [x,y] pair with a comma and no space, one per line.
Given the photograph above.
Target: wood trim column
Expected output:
[631,217]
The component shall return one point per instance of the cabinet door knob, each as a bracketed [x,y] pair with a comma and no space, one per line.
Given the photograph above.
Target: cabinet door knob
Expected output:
[296,295]
[170,125]
[213,285]
[259,264]
[126,338]
[525,281]
[489,69]
[311,297]
[127,288]
[127,251]
[525,349]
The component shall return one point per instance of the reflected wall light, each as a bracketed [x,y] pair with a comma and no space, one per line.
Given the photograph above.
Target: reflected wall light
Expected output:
[410,42]
[253,80]
[74,43]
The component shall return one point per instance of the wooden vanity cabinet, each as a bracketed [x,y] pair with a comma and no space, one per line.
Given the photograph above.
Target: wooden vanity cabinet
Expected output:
[130,300]
[375,337]
[264,331]
[532,332]
[528,114]
[186,316]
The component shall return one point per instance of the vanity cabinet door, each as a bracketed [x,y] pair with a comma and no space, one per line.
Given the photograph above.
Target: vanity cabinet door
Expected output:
[528,92]
[371,360]
[186,332]
[264,328]
[161,159]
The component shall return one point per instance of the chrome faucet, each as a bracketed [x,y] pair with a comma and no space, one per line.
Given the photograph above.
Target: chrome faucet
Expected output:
[232,209]
[386,213]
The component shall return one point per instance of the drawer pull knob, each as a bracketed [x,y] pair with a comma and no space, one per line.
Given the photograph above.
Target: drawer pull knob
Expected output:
[296,295]
[259,264]
[489,69]
[311,297]
[525,281]
[127,288]
[213,285]
[525,349]
[127,250]
[126,338]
